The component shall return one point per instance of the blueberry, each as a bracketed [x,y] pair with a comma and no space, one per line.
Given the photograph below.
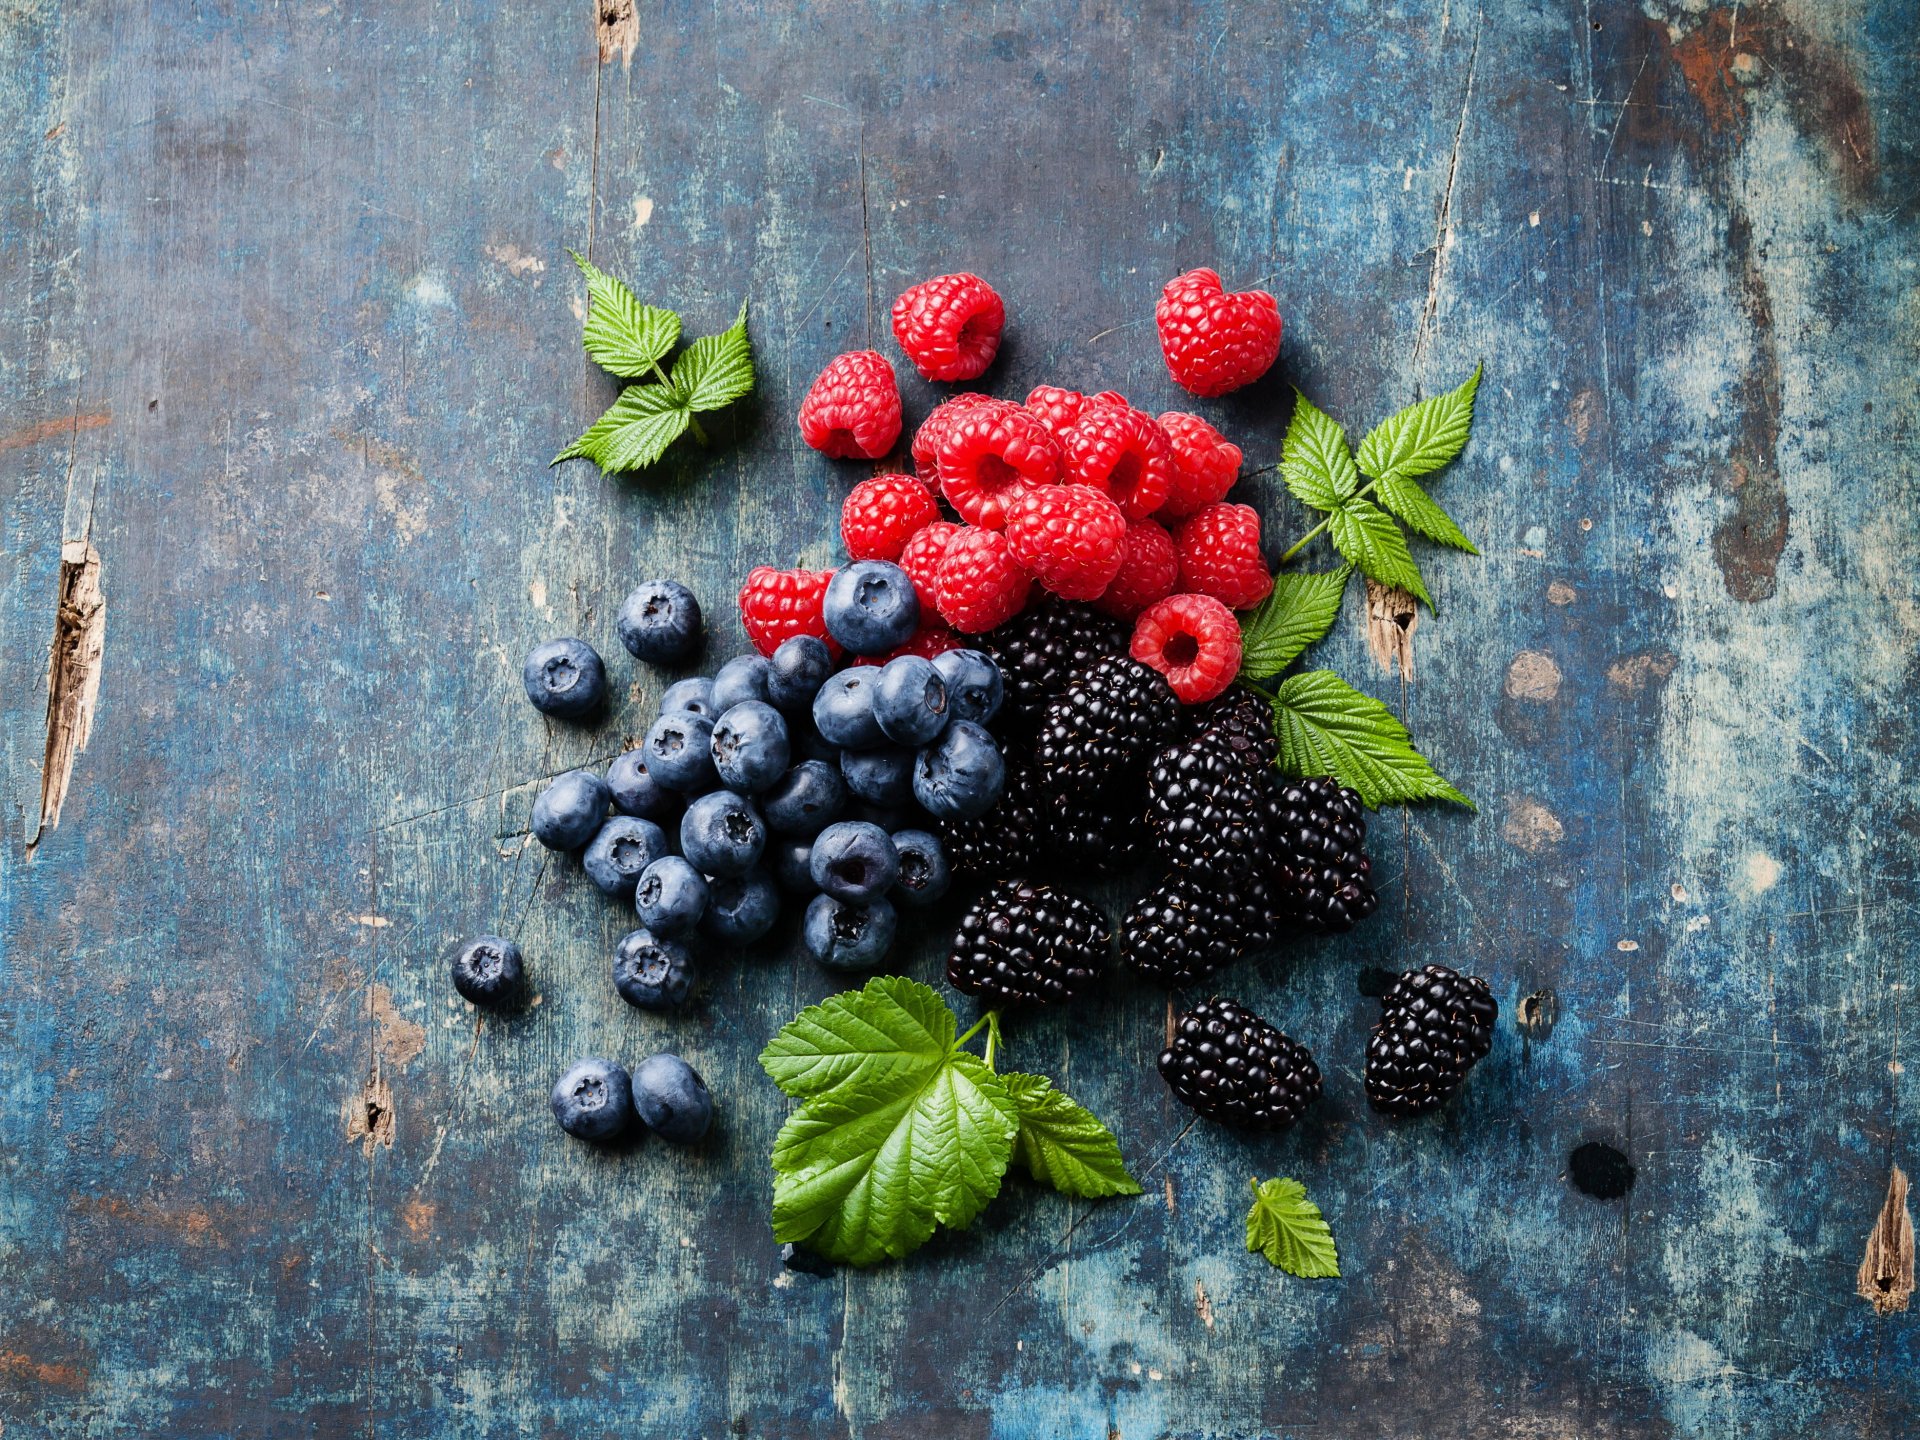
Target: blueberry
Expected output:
[671,896]
[974,687]
[636,792]
[880,777]
[652,972]
[924,876]
[741,910]
[910,701]
[694,695]
[721,834]
[842,936]
[679,751]
[486,971]
[791,863]
[854,860]
[960,776]
[888,817]
[750,746]
[797,669]
[843,710]
[594,1100]
[565,678]
[805,742]
[742,678]
[672,1098]
[622,849]
[807,800]
[659,622]
[568,812]
[871,607]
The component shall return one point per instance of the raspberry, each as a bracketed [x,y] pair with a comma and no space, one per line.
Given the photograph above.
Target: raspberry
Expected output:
[1194,641]
[853,410]
[949,326]
[776,605]
[1215,342]
[926,440]
[1147,571]
[880,515]
[1120,450]
[980,584]
[1058,408]
[921,556]
[1220,556]
[1205,464]
[992,455]
[1071,538]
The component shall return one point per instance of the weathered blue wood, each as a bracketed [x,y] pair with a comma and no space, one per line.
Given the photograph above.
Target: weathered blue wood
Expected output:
[290,334]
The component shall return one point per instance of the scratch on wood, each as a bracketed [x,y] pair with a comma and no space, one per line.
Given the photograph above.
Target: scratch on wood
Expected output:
[400,1040]
[619,31]
[369,1112]
[49,1374]
[1202,1304]
[73,676]
[1530,826]
[1886,1270]
[1392,616]
[1443,231]
[51,429]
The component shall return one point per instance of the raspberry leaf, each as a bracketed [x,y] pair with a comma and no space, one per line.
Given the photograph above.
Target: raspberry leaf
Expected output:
[1413,505]
[716,370]
[623,335]
[1287,1228]
[1063,1144]
[1314,458]
[1421,438]
[1366,535]
[1301,609]
[635,431]
[894,1028]
[1326,727]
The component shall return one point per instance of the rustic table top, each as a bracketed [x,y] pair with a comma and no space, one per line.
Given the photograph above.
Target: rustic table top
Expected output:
[287,338]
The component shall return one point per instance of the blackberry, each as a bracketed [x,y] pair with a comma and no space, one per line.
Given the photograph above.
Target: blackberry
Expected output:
[1208,811]
[1114,713]
[1434,1025]
[1316,833]
[1005,840]
[1181,932]
[1039,650]
[1024,943]
[1240,723]
[1232,1066]
[1102,835]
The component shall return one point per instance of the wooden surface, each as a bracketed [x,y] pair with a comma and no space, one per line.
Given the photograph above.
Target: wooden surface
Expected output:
[288,334]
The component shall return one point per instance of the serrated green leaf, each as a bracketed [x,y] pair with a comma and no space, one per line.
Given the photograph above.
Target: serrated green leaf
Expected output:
[636,430]
[1287,1228]
[1366,535]
[623,334]
[1301,609]
[1422,437]
[1314,458]
[893,1028]
[1422,515]
[1063,1144]
[1326,727]
[716,370]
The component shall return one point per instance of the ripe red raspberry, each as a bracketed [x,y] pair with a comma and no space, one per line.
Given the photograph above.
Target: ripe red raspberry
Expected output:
[1194,641]
[1205,465]
[1122,451]
[1147,574]
[853,410]
[776,605]
[992,455]
[926,440]
[1056,407]
[981,585]
[921,559]
[931,639]
[1215,342]
[1071,538]
[1219,551]
[949,326]
[1107,397]
[880,515]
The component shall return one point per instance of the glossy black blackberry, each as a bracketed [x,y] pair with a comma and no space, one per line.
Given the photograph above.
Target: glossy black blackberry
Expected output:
[1316,833]
[1208,810]
[1232,1066]
[1039,650]
[1113,715]
[1102,835]
[1240,723]
[1024,943]
[1434,1025]
[1005,840]
[1182,931]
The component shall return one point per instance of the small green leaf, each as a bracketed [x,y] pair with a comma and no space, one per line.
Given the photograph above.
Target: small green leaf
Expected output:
[1314,458]
[1326,727]
[622,334]
[1301,609]
[1064,1145]
[716,370]
[1406,499]
[1422,437]
[893,1027]
[1288,1229]
[636,430]
[1366,535]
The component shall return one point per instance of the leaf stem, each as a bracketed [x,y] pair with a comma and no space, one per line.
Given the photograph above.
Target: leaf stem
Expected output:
[976,1028]
[1308,538]
[993,1036]
[693,421]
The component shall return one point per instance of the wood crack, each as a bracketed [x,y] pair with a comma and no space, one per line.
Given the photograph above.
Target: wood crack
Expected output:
[1886,1270]
[73,677]
[1441,241]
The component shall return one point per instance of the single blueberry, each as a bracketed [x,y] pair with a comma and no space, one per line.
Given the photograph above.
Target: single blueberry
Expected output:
[880,777]
[742,678]
[807,800]
[961,775]
[843,936]
[567,814]
[565,678]
[974,686]
[742,909]
[797,669]
[722,834]
[623,848]
[672,1098]
[679,751]
[924,876]
[871,607]
[636,792]
[694,695]
[792,864]
[486,971]
[843,710]
[750,746]
[659,622]
[671,896]
[594,1100]
[652,972]
[910,701]
[805,742]
[854,860]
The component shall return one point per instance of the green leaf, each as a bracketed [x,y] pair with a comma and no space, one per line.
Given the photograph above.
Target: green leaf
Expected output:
[716,370]
[1063,1144]
[1422,437]
[1314,458]
[1366,535]
[1406,499]
[1288,1229]
[1326,727]
[893,1029]
[1301,609]
[622,334]
[636,430]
